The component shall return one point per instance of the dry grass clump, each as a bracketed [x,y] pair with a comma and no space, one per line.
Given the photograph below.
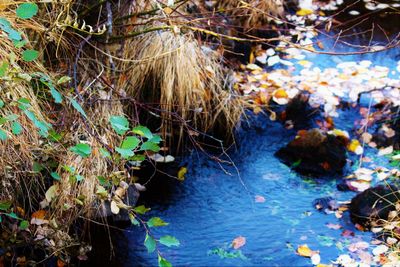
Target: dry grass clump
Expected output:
[89,168]
[252,13]
[181,79]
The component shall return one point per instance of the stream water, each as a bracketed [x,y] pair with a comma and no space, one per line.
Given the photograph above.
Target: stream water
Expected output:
[211,208]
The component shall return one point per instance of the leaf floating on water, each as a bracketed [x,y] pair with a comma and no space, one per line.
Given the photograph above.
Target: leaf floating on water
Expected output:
[305,251]
[259,199]
[238,242]
[181,173]
[333,226]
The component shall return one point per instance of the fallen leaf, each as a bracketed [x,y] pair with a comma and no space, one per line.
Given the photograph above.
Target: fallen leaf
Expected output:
[333,226]
[181,173]
[259,199]
[305,251]
[238,242]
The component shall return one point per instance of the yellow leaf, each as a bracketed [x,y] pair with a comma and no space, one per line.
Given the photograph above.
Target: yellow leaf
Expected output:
[323,265]
[181,173]
[304,12]
[354,144]
[304,251]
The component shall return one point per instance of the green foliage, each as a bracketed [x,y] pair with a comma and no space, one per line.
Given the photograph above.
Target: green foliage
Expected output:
[27,10]
[120,124]
[141,209]
[30,55]
[163,262]
[6,27]
[150,243]
[156,222]
[77,107]
[169,241]
[83,150]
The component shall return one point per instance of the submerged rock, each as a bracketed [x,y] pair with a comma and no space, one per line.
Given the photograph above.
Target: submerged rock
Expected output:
[314,152]
[373,204]
[325,204]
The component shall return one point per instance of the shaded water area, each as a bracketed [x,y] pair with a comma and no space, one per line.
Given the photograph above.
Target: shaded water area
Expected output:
[211,207]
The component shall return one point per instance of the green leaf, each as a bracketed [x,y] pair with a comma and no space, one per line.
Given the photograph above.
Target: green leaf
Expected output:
[44,127]
[24,103]
[19,44]
[120,124]
[1,103]
[78,107]
[142,131]
[5,25]
[24,225]
[133,220]
[156,222]
[12,215]
[63,79]
[141,209]
[3,68]
[55,176]
[150,243]
[81,149]
[125,153]
[155,139]
[56,95]
[79,178]
[169,241]
[16,128]
[30,55]
[105,153]
[150,146]
[130,142]
[5,205]
[163,262]
[12,117]
[37,167]
[3,135]
[103,180]
[27,10]
[127,147]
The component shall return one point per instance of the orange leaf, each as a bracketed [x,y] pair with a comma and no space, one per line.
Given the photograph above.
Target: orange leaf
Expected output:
[238,242]
[280,93]
[40,214]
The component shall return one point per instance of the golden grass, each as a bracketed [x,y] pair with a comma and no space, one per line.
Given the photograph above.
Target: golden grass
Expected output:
[177,75]
[252,13]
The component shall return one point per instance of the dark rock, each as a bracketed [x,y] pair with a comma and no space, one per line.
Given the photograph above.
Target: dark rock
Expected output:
[314,152]
[373,204]
[299,113]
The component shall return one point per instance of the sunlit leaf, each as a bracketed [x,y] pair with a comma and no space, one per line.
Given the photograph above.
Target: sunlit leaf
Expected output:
[16,128]
[81,149]
[156,222]
[27,10]
[169,241]
[163,262]
[142,131]
[141,209]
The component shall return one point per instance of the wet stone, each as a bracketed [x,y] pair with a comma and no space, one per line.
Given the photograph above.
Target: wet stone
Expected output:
[298,112]
[374,204]
[315,153]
